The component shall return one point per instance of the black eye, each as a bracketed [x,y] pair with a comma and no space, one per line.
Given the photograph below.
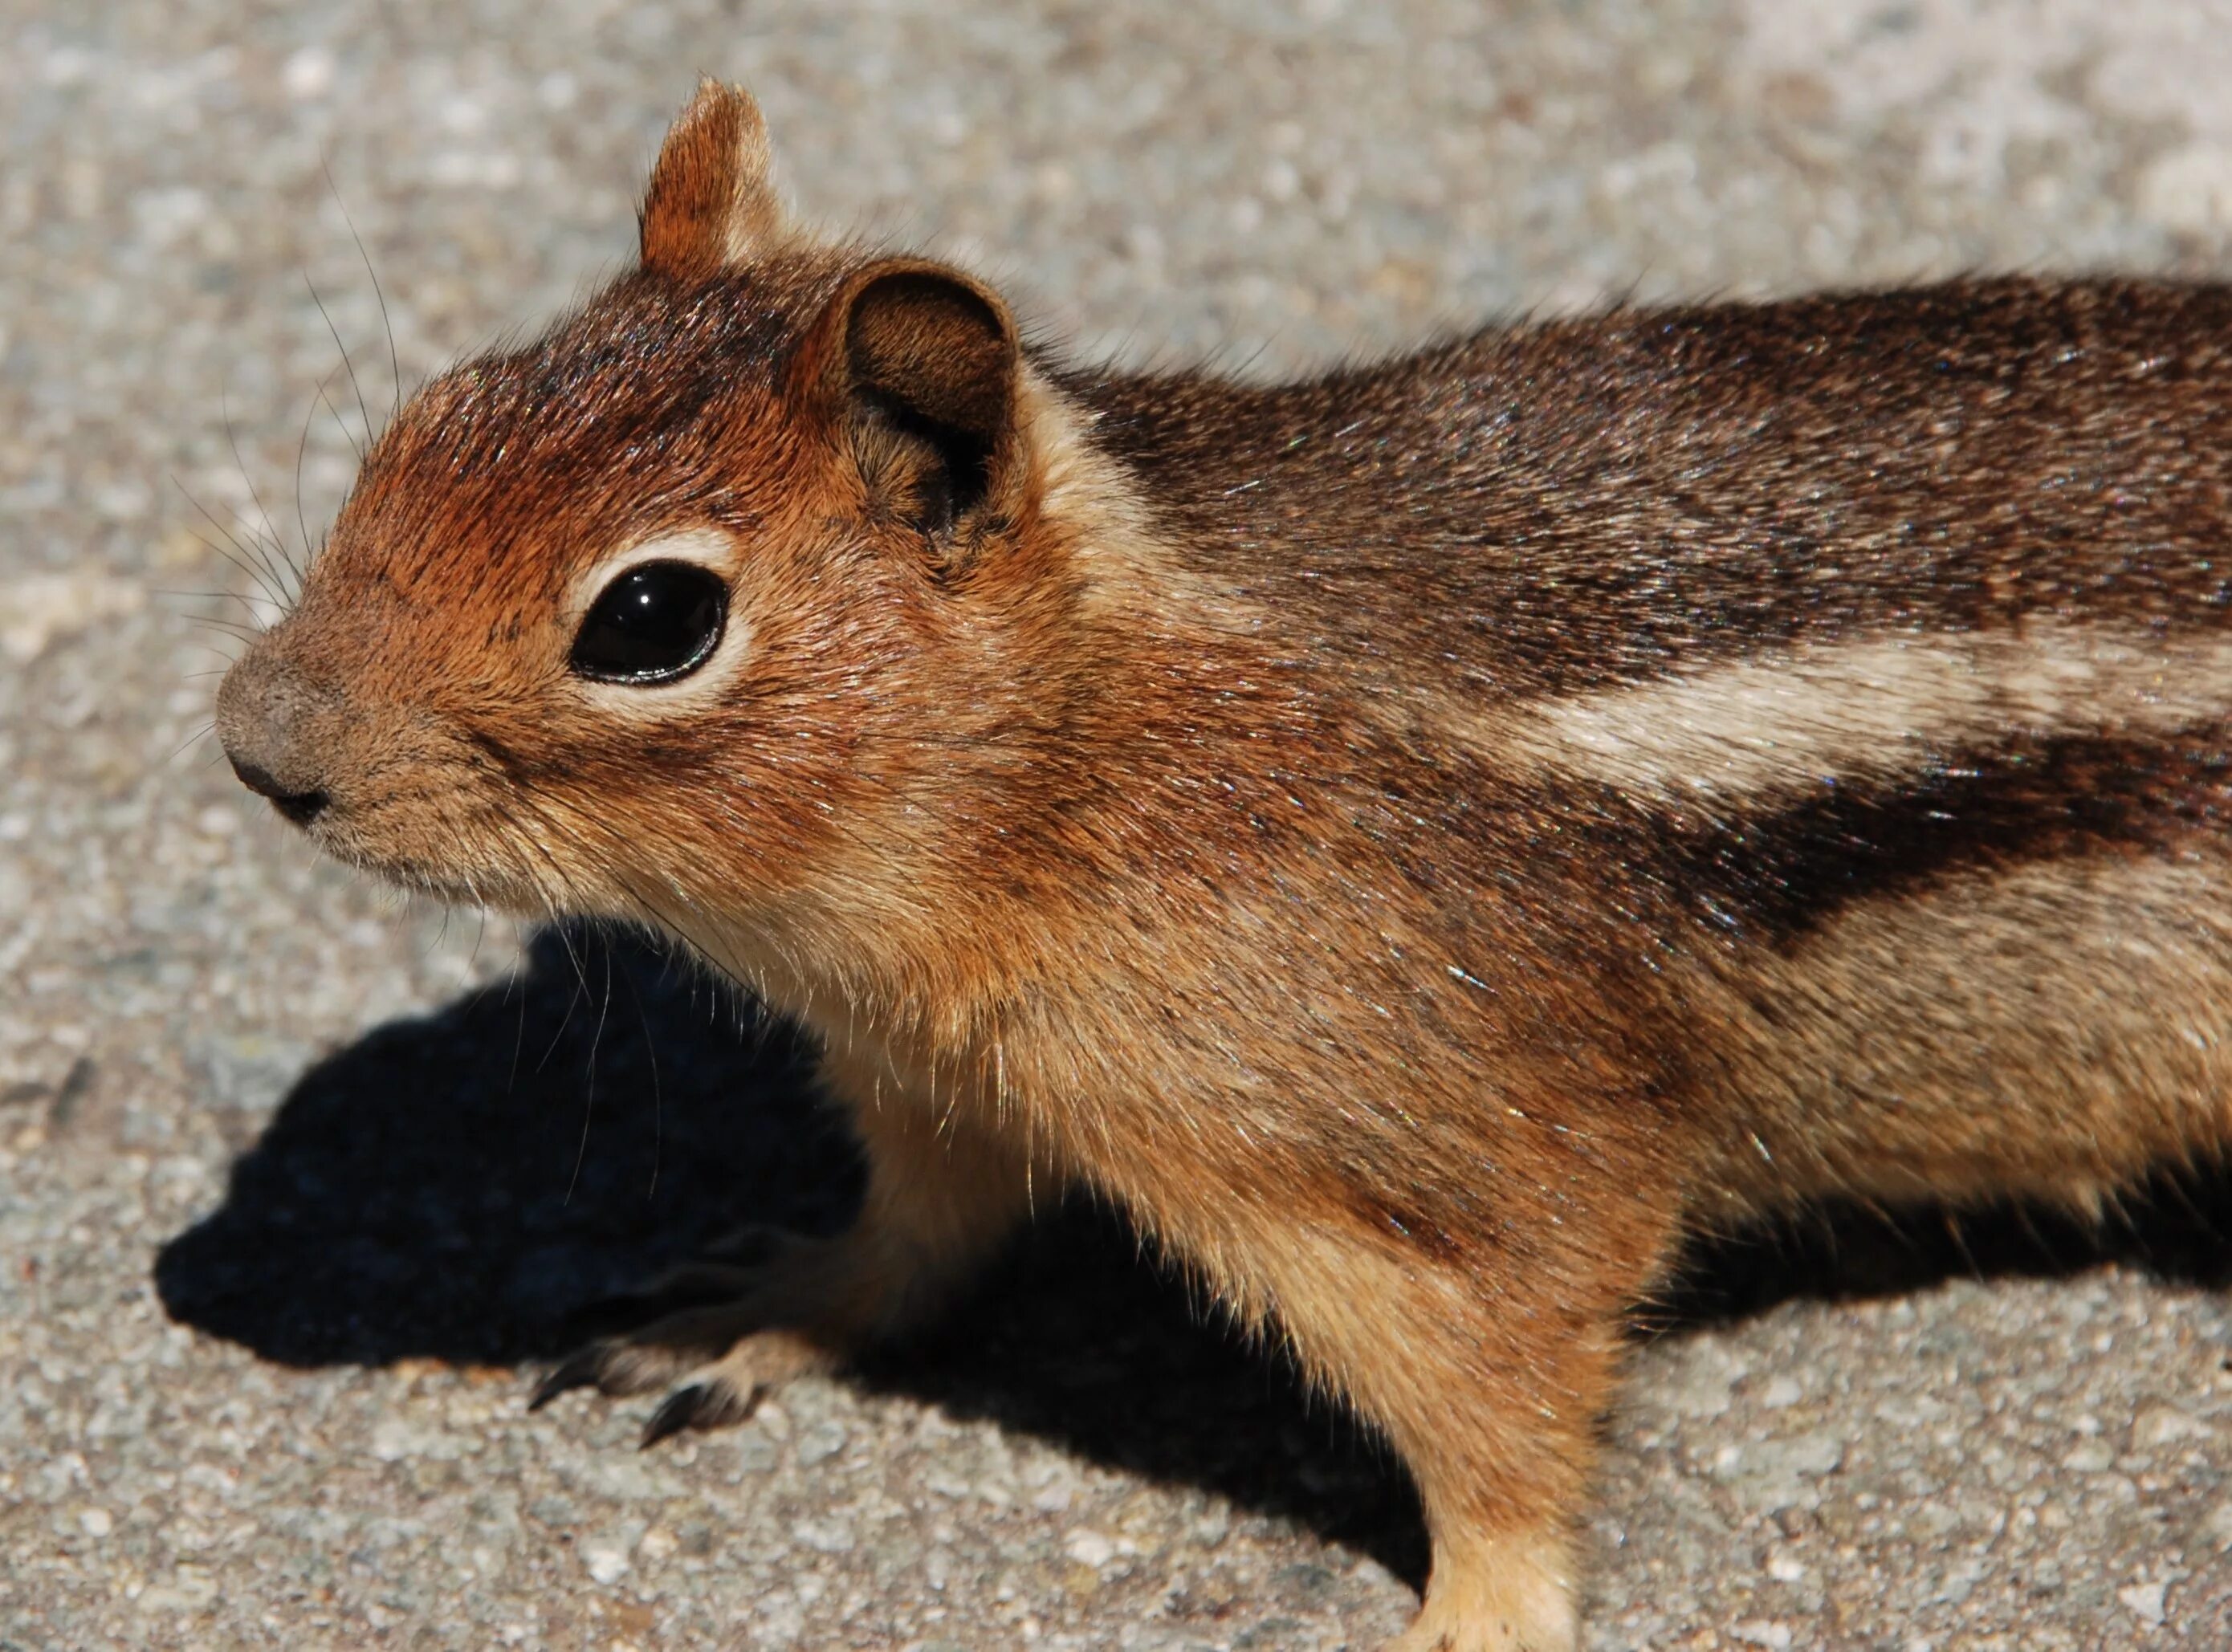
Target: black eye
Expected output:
[657,621]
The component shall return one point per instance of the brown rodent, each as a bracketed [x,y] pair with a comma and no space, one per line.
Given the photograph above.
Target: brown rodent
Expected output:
[1420,839]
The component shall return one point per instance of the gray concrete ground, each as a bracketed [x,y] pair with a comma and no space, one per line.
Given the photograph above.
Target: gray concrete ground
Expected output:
[294,1179]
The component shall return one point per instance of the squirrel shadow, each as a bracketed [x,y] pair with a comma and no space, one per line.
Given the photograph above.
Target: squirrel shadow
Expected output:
[458,1185]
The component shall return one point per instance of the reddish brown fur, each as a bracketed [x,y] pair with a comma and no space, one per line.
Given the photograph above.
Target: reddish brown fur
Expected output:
[1130,779]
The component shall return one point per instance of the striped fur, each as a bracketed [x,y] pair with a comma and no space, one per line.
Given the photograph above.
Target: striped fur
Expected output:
[1872,709]
[1423,839]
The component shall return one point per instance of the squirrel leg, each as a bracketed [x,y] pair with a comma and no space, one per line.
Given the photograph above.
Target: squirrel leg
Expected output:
[1489,1373]
[941,1197]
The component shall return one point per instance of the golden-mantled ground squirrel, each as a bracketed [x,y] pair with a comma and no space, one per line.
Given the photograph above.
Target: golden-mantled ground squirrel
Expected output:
[1420,839]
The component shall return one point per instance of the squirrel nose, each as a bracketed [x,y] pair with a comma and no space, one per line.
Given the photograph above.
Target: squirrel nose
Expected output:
[300,807]
[265,716]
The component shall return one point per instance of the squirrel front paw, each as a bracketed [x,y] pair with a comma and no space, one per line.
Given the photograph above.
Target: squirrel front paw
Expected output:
[1507,1594]
[721,1334]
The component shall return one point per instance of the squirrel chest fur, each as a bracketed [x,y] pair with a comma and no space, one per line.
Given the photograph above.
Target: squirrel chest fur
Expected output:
[1422,840]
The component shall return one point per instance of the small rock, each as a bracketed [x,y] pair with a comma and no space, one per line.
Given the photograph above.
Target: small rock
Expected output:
[1087,1547]
[1807,1455]
[755,1453]
[606,1563]
[396,1438]
[2145,1600]
[191,1590]
[1698,1387]
[2163,1425]
[1770,1475]
[1216,1523]
[824,1537]
[1931,1520]
[819,1442]
[608,1554]
[556,1512]
[1782,1392]
[1912,1411]
[624,1478]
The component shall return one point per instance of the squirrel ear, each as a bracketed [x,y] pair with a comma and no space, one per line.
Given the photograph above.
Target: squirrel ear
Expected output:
[930,355]
[930,342]
[712,200]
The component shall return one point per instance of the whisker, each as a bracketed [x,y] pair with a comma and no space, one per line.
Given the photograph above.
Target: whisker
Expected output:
[341,424]
[589,1095]
[363,411]
[238,634]
[232,439]
[239,628]
[518,1043]
[386,322]
[200,733]
[581,992]
[193,596]
[302,447]
[240,561]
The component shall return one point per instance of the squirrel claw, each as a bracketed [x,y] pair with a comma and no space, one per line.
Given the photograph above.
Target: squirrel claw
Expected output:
[715,1405]
[583,1368]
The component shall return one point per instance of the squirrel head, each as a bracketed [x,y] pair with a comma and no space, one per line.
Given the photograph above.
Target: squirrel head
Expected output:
[736,587]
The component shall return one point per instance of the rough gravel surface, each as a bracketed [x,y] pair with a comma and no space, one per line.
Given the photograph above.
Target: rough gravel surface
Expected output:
[297,1183]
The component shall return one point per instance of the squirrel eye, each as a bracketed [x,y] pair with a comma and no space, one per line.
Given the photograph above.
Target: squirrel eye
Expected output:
[658,621]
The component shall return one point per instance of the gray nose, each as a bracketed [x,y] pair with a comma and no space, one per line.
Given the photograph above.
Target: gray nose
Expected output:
[267,717]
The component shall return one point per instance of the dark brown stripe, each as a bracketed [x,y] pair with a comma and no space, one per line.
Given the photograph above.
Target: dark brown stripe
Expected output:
[1780,876]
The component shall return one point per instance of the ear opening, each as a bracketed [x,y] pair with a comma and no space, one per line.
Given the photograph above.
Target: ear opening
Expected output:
[927,360]
[712,200]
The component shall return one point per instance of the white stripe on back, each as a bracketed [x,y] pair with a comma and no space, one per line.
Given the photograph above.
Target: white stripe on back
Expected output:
[1776,728]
